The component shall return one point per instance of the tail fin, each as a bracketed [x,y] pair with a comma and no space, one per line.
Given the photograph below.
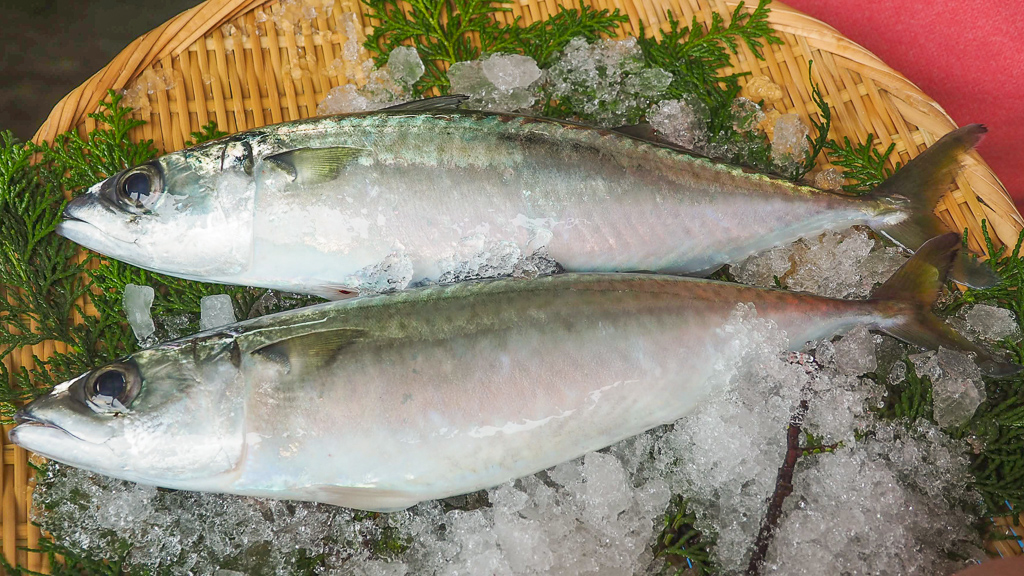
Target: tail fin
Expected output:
[923,181]
[913,289]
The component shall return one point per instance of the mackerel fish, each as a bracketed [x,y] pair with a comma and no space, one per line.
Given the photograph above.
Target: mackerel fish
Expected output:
[380,402]
[425,193]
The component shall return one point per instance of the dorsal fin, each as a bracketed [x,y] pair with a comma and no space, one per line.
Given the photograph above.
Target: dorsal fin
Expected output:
[647,133]
[309,352]
[306,166]
[448,103]
[644,131]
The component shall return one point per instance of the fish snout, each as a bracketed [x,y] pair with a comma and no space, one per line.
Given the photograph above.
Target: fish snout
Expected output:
[22,417]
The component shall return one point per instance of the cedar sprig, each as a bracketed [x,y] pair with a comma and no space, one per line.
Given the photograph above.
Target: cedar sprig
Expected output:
[821,128]
[73,162]
[209,131]
[40,277]
[694,55]
[443,32]
[684,548]
[544,39]
[864,165]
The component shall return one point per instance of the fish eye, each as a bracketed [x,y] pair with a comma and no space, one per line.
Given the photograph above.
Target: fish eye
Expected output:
[112,388]
[139,186]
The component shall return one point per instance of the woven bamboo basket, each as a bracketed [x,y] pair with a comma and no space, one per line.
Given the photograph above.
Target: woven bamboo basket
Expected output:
[227,61]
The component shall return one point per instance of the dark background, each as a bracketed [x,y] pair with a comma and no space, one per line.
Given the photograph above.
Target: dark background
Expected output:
[49,47]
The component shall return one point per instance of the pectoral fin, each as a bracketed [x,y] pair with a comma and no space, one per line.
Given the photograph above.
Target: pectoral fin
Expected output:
[311,351]
[309,166]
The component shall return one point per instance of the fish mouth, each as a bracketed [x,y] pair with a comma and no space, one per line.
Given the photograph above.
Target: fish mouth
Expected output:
[70,225]
[92,236]
[25,421]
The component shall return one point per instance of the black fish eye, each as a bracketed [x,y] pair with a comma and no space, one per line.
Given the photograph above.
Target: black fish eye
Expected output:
[113,387]
[138,187]
[111,384]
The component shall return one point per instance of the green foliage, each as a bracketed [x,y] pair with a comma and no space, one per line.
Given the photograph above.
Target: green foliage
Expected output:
[443,33]
[909,399]
[72,162]
[681,545]
[208,132]
[996,431]
[816,445]
[42,282]
[863,165]
[543,39]
[821,128]
[694,55]
[997,428]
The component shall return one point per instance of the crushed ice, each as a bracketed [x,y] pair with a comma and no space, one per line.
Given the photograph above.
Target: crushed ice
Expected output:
[387,86]
[605,80]
[991,323]
[501,82]
[957,388]
[847,264]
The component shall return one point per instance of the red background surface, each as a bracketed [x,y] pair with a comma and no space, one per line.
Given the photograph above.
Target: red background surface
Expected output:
[968,55]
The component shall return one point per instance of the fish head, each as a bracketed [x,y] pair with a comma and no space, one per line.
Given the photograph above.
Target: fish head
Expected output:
[188,213]
[169,416]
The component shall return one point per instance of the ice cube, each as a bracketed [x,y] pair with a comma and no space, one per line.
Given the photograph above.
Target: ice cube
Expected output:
[605,81]
[762,88]
[503,82]
[790,145]
[957,387]
[746,115]
[215,311]
[763,269]
[344,99]
[137,301]
[404,65]
[829,179]
[468,78]
[992,323]
[508,71]
[680,122]
[855,352]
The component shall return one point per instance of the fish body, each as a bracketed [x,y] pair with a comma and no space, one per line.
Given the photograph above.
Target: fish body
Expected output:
[385,401]
[385,200]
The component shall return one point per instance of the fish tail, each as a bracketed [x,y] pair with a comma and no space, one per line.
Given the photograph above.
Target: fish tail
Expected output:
[905,301]
[918,187]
